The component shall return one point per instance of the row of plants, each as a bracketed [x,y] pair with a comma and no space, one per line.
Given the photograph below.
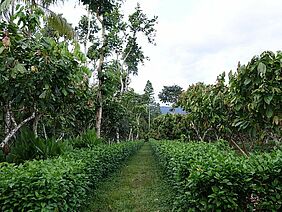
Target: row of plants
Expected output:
[211,176]
[62,183]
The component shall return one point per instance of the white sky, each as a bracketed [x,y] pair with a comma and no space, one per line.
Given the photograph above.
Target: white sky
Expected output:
[199,39]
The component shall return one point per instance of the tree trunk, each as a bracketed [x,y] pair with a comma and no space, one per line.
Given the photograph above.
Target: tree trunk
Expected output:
[149,107]
[99,114]
[44,131]
[7,120]
[35,124]
[138,124]
[117,133]
[197,132]
[100,82]
[130,134]
[88,31]
[123,84]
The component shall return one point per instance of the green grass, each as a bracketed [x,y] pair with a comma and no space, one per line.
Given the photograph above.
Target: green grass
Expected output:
[138,186]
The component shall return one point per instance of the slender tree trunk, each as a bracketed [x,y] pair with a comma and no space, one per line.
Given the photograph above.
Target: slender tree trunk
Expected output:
[123,85]
[238,147]
[117,133]
[44,131]
[35,124]
[130,134]
[205,133]
[100,82]
[149,117]
[197,132]
[138,124]
[88,30]
[7,119]
[99,113]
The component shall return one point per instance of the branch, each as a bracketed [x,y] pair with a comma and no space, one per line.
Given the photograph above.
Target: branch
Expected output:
[205,133]
[13,132]
[98,17]
[197,132]
[126,56]
[239,148]
[88,32]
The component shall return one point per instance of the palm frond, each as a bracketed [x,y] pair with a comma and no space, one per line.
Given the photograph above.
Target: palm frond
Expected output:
[60,24]
[5,5]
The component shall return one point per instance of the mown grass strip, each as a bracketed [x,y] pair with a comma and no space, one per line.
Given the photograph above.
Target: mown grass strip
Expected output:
[138,186]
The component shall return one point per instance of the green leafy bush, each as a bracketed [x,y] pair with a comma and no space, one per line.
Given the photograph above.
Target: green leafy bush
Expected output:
[27,147]
[59,184]
[86,140]
[209,177]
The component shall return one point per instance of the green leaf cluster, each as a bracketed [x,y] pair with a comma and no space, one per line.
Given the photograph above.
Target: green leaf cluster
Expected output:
[60,184]
[212,177]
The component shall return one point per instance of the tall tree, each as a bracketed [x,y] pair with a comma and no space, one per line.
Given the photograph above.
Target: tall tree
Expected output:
[37,73]
[170,94]
[149,99]
[114,42]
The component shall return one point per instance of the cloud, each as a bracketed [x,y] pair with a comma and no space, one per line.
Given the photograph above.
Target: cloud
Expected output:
[209,39]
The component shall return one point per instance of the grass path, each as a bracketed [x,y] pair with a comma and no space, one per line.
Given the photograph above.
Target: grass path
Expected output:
[138,186]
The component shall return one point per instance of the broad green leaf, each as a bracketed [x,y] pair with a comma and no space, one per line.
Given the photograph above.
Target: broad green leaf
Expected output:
[247,81]
[261,69]
[269,112]
[43,95]
[276,120]
[268,99]
[2,49]
[65,92]
[20,68]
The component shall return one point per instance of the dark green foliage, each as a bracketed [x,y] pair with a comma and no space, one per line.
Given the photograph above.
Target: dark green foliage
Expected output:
[256,91]
[209,177]
[27,147]
[87,139]
[170,94]
[60,184]
[249,105]
[171,127]
[2,157]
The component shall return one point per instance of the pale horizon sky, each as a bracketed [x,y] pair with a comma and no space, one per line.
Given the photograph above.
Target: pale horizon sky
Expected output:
[199,39]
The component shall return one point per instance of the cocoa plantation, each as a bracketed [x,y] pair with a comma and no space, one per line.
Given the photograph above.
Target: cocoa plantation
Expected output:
[75,135]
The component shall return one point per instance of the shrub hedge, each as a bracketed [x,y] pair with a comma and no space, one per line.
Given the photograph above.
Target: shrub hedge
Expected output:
[59,184]
[212,177]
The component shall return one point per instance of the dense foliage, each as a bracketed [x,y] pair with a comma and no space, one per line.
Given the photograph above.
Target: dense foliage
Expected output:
[245,110]
[43,83]
[50,87]
[209,177]
[170,94]
[60,184]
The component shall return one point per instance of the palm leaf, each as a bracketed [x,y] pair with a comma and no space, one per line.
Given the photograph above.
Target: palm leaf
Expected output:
[55,21]
[60,24]
[5,5]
